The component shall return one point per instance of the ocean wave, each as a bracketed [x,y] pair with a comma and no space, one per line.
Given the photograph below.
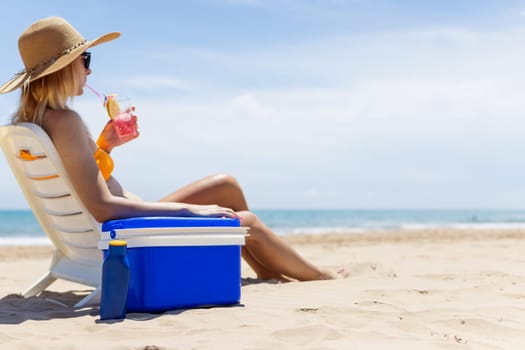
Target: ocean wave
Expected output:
[400,226]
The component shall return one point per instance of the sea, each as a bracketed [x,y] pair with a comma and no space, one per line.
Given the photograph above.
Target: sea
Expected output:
[19,227]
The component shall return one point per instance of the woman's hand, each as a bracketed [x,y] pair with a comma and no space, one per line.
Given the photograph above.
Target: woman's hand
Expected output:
[109,139]
[211,211]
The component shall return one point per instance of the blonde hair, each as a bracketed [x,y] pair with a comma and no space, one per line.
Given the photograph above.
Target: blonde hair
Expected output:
[49,92]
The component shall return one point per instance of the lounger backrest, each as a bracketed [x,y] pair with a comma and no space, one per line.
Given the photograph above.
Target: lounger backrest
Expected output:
[38,169]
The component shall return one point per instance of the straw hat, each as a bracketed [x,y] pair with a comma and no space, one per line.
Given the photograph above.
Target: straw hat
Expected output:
[47,46]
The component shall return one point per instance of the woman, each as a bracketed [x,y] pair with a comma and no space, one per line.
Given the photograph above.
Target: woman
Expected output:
[56,69]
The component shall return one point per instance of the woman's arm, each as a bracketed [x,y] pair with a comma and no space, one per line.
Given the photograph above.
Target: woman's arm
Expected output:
[76,148]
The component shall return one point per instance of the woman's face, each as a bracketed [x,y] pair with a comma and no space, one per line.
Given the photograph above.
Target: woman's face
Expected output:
[83,72]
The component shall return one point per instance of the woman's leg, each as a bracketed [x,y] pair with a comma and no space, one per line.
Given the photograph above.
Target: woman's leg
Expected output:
[223,190]
[265,252]
[219,189]
[275,255]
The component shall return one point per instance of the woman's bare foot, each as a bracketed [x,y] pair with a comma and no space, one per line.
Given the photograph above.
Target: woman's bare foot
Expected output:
[326,275]
[274,277]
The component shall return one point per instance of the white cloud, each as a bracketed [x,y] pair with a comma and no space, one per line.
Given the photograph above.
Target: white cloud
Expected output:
[384,133]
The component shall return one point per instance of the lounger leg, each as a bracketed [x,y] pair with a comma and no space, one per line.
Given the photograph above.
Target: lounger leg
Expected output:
[90,300]
[39,285]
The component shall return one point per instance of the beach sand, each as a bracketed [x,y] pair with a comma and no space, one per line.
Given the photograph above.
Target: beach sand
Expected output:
[435,289]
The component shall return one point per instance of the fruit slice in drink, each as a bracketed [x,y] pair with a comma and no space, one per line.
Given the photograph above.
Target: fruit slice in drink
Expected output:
[112,105]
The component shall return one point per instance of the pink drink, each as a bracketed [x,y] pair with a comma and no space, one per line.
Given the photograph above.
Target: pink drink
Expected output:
[125,124]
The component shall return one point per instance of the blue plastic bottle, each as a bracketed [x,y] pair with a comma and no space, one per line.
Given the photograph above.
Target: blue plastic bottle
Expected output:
[115,281]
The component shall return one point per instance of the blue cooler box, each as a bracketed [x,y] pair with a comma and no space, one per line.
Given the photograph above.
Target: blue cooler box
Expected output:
[179,262]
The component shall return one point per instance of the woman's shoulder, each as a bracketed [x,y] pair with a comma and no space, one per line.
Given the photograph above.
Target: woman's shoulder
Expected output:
[60,118]
[57,121]
[55,116]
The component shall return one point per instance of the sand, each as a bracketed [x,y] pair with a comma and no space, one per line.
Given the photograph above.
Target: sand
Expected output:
[435,289]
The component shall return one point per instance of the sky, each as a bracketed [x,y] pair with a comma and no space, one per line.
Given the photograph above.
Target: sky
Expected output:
[319,104]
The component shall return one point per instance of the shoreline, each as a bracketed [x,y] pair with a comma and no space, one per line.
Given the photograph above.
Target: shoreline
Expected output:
[352,234]
[428,289]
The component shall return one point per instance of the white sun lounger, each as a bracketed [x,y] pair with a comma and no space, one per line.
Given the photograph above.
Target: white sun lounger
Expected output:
[58,209]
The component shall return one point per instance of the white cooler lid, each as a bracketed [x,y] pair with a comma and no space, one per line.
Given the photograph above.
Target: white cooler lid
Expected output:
[176,236]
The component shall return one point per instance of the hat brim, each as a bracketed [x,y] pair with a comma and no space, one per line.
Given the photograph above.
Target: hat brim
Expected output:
[21,78]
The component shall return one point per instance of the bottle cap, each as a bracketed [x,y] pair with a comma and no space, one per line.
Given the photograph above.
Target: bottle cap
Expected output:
[118,243]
